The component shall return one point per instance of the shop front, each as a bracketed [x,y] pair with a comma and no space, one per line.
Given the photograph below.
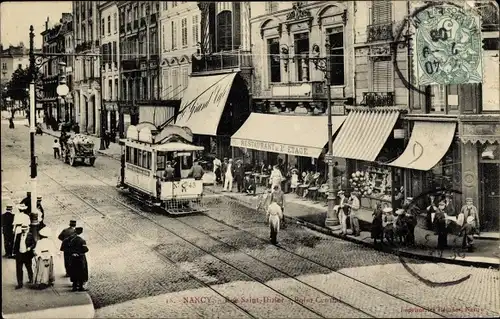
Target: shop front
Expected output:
[481,170]
[365,140]
[214,107]
[290,141]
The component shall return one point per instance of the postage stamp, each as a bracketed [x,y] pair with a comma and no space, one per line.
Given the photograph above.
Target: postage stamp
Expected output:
[447,46]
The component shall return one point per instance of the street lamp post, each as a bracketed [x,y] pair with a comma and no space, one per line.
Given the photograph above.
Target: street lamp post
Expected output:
[62,89]
[323,64]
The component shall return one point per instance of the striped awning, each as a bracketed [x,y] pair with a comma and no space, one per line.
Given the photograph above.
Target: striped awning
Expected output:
[364,133]
[428,143]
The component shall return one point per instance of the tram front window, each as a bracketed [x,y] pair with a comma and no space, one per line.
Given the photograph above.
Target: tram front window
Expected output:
[180,162]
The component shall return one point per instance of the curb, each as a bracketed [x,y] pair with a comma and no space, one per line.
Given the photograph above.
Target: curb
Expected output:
[386,249]
[81,311]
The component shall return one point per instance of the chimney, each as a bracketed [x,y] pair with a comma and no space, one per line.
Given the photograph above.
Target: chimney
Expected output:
[47,24]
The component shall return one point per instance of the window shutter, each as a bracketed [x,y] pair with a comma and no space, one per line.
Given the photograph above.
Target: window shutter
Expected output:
[382,76]
[381,11]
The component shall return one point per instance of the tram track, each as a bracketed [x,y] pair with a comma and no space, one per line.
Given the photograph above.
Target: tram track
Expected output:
[264,240]
[144,215]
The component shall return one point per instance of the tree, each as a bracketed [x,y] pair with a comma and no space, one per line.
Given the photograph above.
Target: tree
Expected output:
[17,88]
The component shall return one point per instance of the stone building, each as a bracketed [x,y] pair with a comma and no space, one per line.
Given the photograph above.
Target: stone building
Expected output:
[87,84]
[110,65]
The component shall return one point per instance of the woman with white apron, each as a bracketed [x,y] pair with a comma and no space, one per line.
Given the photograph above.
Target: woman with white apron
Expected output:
[44,259]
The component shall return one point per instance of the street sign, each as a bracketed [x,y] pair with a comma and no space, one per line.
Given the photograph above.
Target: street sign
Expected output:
[329,159]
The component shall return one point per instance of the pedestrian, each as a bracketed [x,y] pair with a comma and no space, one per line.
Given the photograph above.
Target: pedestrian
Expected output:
[196,171]
[27,202]
[168,174]
[21,218]
[467,231]
[41,212]
[276,177]
[354,206]
[400,226]
[431,211]
[274,215]
[8,231]
[23,249]
[217,170]
[44,258]
[11,122]
[228,176]
[239,175]
[294,183]
[377,228]
[278,197]
[342,211]
[470,210]
[412,223]
[79,273]
[56,147]
[250,185]
[388,224]
[64,237]
[223,170]
[440,225]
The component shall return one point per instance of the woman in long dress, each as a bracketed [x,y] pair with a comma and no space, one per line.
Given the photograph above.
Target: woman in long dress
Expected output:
[44,257]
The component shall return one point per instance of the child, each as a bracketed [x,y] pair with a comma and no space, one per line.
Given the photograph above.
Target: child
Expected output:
[57,152]
[388,224]
[468,230]
[295,180]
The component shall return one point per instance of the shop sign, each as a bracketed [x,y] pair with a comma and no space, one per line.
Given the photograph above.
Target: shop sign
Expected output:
[399,133]
[276,147]
[480,132]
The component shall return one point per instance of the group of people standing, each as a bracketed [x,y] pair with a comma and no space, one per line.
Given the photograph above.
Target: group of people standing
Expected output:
[21,244]
[346,210]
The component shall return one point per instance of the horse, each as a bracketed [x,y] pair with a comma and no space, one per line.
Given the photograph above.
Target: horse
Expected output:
[274,215]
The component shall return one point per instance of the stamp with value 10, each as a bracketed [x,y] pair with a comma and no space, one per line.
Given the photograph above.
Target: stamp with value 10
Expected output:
[447,45]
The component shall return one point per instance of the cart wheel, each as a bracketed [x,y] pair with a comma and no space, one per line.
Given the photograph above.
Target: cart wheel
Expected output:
[92,161]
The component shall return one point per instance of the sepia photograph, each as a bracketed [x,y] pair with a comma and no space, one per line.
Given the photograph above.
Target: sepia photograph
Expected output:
[291,159]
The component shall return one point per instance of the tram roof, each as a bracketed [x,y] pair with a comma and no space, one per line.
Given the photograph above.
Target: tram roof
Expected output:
[165,147]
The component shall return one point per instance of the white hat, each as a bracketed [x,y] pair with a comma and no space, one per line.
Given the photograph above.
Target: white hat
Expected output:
[470,219]
[22,207]
[387,210]
[45,232]
[400,211]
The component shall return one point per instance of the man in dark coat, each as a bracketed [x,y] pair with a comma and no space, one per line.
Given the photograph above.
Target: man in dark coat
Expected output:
[8,230]
[40,208]
[79,272]
[239,175]
[223,170]
[23,249]
[27,201]
[64,237]
[440,223]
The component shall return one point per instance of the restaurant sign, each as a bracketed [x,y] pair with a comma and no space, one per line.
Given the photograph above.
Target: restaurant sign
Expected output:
[277,147]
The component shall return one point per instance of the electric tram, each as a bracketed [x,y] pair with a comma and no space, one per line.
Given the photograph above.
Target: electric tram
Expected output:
[146,151]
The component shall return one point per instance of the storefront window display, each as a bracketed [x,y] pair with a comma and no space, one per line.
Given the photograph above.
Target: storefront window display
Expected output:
[373,182]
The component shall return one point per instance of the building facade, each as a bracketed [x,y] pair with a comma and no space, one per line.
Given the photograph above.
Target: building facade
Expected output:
[139,55]
[217,99]
[11,58]
[87,87]
[179,26]
[56,110]
[432,139]
[68,111]
[110,65]
[287,86]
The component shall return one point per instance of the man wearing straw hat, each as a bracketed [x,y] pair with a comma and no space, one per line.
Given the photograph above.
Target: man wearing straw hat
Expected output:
[8,231]
[44,254]
[23,249]
[64,237]
[21,218]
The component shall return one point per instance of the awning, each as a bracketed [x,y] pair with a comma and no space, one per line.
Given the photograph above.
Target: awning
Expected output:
[364,133]
[203,103]
[429,142]
[295,135]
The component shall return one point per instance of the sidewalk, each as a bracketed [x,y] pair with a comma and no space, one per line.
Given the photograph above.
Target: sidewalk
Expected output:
[312,215]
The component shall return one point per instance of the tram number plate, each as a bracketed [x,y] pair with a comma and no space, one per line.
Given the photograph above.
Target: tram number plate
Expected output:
[184,186]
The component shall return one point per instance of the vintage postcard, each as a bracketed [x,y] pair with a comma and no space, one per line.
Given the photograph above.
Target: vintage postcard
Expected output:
[294,159]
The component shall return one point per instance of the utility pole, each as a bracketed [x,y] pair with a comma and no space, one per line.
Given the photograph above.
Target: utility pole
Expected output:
[33,75]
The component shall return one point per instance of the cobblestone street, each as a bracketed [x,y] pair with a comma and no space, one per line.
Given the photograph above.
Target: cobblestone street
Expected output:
[220,263]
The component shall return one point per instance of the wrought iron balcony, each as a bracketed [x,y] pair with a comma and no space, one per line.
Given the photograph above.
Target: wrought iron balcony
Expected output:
[380,32]
[222,61]
[378,99]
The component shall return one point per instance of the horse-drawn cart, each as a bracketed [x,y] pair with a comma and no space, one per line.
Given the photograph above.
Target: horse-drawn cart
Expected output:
[78,148]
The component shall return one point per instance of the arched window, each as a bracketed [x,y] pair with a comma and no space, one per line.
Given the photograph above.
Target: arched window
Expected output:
[224,31]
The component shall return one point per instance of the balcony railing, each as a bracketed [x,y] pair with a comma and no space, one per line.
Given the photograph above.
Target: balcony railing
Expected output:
[129,64]
[84,46]
[378,99]
[222,61]
[380,32]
